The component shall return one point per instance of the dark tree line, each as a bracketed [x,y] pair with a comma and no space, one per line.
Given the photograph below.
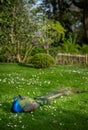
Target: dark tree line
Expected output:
[73,14]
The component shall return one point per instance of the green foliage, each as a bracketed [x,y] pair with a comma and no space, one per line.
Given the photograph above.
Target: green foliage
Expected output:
[5,1]
[52,31]
[84,49]
[3,54]
[68,13]
[17,29]
[42,60]
[20,32]
[69,45]
[53,51]
[56,28]
[36,50]
[3,58]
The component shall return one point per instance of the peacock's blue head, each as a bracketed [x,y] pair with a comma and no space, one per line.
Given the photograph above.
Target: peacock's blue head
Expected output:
[16,107]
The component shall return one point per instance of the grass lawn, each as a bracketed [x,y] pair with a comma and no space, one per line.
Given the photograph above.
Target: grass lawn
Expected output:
[65,113]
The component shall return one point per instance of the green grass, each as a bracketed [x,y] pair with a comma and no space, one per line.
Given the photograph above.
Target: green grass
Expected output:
[65,113]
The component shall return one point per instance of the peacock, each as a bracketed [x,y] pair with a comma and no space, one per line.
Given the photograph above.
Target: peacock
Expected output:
[27,104]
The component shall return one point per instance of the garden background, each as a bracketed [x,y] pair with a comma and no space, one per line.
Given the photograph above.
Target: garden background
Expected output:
[34,35]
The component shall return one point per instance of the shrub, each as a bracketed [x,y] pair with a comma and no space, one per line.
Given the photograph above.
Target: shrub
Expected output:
[42,60]
[3,58]
[69,45]
[84,49]
[54,51]
[37,50]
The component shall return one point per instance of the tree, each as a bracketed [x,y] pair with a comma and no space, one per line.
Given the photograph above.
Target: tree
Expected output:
[17,30]
[51,31]
[86,19]
[83,4]
[73,14]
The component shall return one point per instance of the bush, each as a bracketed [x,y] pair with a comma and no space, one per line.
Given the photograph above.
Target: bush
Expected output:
[37,50]
[84,49]
[3,58]
[42,60]
[54,51]
[69,45]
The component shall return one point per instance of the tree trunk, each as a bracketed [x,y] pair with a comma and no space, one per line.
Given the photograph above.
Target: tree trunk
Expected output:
[86,19]
[18,52]
[54,6]
[28,51]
